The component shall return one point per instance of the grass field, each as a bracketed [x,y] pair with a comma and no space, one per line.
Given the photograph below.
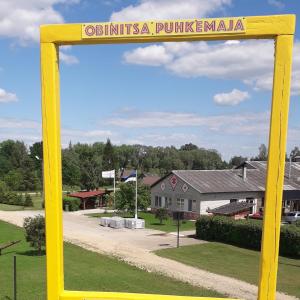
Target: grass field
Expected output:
[150,221]
[84,270]
[236,262]
[37,205]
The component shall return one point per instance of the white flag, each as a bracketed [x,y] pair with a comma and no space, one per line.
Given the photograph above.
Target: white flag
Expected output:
[108,174]
[130,179]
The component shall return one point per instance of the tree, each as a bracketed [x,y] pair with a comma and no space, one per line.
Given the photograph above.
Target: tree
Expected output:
[161,214]
[90,166]
[295,152]
[125,197]
[14,179]
[262,153]
[109,159]
[14,157]
[35,232]
[236,161]
[71,172]
[188,147]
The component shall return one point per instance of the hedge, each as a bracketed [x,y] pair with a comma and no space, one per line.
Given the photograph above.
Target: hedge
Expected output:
[11,198]
[246,233]
[73,203]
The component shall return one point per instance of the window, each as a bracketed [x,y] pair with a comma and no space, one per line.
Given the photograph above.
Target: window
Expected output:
[157,202]
[191,205]
[180,204]
[168,202]
[251,200]
[194,205]
[233,200]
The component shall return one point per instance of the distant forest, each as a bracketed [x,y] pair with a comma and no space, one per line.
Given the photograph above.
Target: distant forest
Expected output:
[82,164]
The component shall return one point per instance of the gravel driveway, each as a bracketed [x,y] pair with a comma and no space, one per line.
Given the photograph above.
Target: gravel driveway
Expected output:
[135,246]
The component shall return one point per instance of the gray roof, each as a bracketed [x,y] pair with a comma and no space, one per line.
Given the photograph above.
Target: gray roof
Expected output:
[215,181]
[256,173]
[226,181]
[231,208]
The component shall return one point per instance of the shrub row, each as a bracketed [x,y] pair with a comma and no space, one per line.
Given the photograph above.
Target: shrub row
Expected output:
[70,203]
[13,198]
[246,233]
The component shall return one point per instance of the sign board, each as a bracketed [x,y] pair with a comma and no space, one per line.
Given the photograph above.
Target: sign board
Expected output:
[178,215]
[163,28]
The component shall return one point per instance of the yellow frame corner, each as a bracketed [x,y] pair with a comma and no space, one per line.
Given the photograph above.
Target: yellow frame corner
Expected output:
[280,28]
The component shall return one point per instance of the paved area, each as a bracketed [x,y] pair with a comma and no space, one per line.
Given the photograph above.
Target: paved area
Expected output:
[135,246]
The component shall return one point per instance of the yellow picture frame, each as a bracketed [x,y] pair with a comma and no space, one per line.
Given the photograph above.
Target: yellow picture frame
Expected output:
[280,28]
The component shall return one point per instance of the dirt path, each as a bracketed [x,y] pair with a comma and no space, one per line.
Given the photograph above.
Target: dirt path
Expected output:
[127,246]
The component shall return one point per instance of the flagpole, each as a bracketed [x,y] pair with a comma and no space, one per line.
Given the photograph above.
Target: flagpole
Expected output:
[136,195]
[114,189]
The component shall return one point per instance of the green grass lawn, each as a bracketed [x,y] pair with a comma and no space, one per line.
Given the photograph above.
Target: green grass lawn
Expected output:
[236,262]
[37,205]
[150,221]
[84,270]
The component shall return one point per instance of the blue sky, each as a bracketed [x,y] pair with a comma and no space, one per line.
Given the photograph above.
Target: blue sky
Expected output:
[216,95]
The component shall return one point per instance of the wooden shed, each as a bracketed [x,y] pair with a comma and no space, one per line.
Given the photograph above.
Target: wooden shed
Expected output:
[89,198]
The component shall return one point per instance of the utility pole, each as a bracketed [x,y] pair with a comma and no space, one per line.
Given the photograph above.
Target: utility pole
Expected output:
[15,277]
[136,195]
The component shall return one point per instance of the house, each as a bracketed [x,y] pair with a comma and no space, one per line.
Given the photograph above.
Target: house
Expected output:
[196,192]
[149,179]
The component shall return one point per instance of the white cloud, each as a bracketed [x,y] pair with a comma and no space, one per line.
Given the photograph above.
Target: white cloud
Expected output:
[154,55]
[10,123]
[166,9]
[31,131]
[243,123]
[277,3]
[250,128]
[20,129]
[7,97]
[160,139]
[71,133]
[21,19]
[251,62]
[232,98]
[68,59]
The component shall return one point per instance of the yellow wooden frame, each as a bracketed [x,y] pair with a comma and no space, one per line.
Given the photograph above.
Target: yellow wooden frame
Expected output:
[281,29]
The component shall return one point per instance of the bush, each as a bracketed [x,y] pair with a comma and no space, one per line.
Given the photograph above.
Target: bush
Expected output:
[246,233]
[3,191]
[19,200]
[161,214]
[11,198]
[73,203]
[35,232]
[28,201]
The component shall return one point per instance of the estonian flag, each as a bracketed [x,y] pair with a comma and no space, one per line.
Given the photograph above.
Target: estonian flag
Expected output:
[131,177]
